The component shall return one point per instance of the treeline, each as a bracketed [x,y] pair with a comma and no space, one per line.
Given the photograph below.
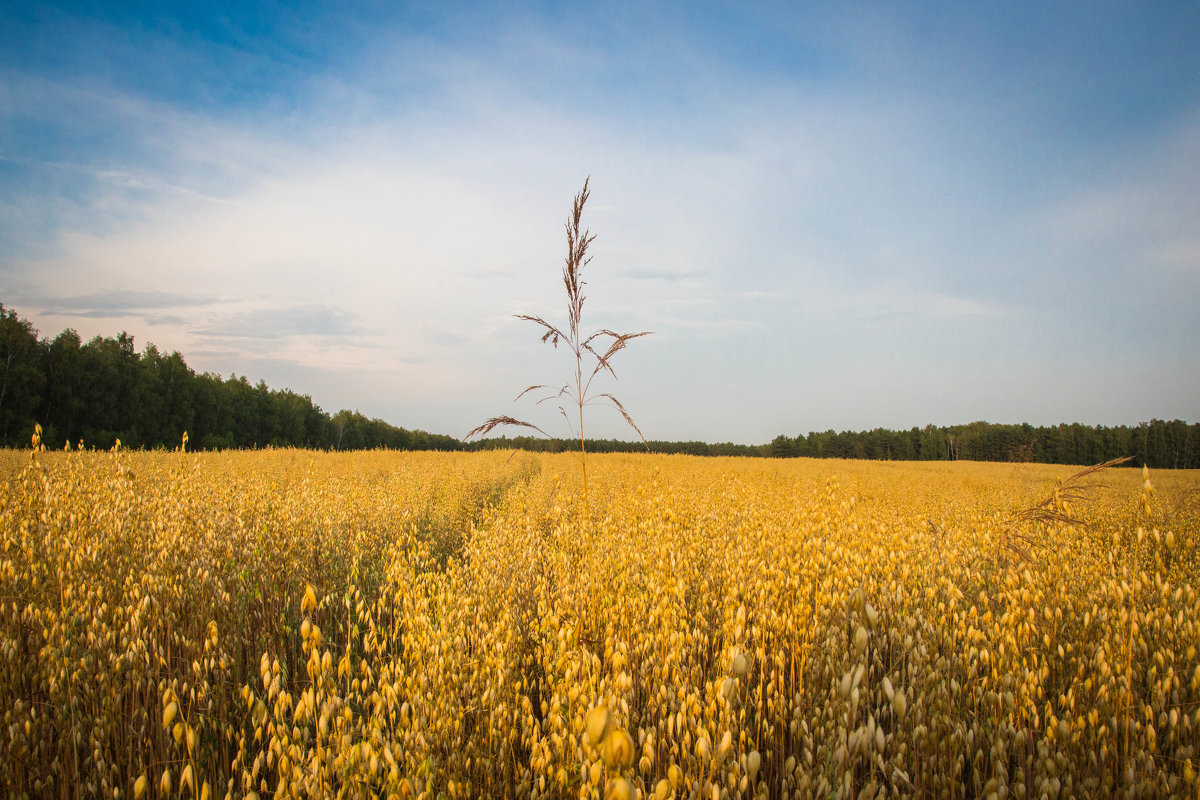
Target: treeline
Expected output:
[1157,444]
[98,391]
[102,390]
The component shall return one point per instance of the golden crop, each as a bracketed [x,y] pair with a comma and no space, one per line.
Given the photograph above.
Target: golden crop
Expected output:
[291,624]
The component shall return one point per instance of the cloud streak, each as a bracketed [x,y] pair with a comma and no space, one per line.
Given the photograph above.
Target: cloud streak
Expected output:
[272,324]
[120,302]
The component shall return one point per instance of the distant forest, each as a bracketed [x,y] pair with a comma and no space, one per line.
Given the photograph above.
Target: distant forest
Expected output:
[102,390]
[1157,444]
[98,391]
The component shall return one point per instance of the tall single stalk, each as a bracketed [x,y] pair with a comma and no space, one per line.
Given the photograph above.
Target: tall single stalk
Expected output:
[578,240]
[582,447]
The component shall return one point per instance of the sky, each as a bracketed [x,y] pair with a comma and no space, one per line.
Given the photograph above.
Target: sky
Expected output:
[830,215]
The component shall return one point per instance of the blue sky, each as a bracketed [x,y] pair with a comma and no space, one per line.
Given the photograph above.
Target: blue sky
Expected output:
[831,216]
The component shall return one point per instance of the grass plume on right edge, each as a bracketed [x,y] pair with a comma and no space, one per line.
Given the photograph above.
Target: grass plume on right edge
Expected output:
[577,393]
[1055,509]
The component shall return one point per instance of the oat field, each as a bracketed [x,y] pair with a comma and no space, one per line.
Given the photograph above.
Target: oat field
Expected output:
[295,624]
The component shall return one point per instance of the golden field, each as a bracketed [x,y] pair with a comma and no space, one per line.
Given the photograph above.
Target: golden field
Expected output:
[295,624]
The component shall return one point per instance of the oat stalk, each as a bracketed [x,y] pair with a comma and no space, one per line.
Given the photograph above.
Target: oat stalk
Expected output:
[601,345]
[1056,509]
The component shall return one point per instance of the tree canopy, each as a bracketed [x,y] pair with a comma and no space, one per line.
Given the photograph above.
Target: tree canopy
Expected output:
[1157,444]
[102,390]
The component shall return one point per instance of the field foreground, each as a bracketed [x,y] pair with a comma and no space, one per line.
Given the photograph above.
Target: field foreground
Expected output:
[292,624]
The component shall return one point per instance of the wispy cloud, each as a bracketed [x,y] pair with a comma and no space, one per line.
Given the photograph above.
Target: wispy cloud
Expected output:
[662,275]
[281,323]
[121,302]
[882,306]
[670,326]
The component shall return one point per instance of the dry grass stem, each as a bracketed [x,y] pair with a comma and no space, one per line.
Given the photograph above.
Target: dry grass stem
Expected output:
[578,393]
